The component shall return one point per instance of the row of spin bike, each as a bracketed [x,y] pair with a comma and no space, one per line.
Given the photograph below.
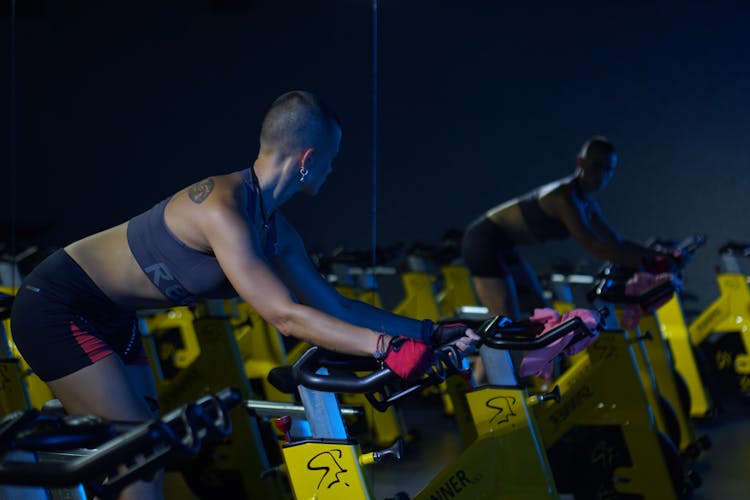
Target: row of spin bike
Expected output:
[611,430]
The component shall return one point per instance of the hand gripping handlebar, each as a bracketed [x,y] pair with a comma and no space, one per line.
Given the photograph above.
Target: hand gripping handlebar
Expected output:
[383,387]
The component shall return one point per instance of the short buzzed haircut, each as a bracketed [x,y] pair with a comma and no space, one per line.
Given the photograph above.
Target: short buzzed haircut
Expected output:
[596,145]
[295,121]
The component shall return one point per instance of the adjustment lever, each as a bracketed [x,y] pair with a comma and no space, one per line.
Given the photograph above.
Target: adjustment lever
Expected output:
[646,336]
[545,396]
[395,451]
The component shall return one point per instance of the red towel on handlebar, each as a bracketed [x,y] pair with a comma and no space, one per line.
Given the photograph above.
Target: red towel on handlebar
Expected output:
[541,361]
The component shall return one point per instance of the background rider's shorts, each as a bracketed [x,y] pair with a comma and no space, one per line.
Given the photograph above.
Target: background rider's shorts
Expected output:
[487,251]
[62,322]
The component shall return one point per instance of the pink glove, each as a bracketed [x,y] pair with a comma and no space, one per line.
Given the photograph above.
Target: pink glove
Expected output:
[408,358]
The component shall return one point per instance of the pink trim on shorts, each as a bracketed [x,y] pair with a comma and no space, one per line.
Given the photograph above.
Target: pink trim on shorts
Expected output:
[95,348]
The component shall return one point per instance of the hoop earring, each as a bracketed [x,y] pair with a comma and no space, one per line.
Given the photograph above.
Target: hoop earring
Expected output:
[303,173]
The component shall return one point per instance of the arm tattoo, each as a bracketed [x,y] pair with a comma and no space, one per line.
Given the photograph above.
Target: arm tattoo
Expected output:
[199,191]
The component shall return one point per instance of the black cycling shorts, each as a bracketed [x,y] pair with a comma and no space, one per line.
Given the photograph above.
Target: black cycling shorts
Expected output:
[62,322]
[487,251]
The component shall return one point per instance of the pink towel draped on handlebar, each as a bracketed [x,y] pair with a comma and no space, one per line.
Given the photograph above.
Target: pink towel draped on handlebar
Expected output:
[638,284]
[541,361]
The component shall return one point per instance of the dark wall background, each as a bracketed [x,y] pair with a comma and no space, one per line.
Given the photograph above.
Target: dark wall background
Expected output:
[119,103]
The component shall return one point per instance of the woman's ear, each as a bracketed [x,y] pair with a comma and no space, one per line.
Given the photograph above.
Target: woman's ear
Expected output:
[306,158]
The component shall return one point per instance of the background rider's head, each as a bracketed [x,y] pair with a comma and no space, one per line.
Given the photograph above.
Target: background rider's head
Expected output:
[300,135]
[596,164]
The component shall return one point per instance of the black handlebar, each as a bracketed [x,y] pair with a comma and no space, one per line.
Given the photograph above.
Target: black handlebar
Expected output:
[379,385]
[181,432]
[688,245]
[304,372]
[501,333]
[608,291]
[735,248]
[692,243]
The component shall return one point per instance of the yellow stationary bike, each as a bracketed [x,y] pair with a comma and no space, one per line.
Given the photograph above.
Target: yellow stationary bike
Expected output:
[665,388]
[504,459]
[696,381]
[195,370]
[449,280]
[723,328]
[321,460]
[497,421]
[602,440]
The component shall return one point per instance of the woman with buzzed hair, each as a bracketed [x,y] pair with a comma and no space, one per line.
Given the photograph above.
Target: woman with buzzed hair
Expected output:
[561,209]
[73,319]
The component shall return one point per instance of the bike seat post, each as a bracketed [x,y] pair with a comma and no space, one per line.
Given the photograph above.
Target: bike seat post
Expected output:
[731,263]
[323,412]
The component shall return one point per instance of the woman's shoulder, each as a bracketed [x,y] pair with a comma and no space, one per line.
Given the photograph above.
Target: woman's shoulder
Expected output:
[560,189]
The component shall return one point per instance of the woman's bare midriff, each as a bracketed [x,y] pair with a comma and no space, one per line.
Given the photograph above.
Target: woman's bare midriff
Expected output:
[108,261]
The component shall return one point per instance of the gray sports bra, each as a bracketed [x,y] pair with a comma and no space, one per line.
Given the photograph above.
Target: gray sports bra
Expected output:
[181,273]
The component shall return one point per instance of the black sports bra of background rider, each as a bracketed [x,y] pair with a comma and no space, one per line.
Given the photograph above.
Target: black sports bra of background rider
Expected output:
[542,225]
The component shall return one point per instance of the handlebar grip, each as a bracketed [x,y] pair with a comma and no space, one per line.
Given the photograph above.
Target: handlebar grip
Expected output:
[655,293]
[447,361]
[491,335]
[603,292]
[304,373]
[692,243]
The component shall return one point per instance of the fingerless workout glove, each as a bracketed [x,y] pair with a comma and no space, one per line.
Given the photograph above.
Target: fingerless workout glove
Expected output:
[445,333]
[408,358]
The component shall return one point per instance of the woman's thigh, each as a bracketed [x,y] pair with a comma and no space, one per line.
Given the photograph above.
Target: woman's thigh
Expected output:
[107,389]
